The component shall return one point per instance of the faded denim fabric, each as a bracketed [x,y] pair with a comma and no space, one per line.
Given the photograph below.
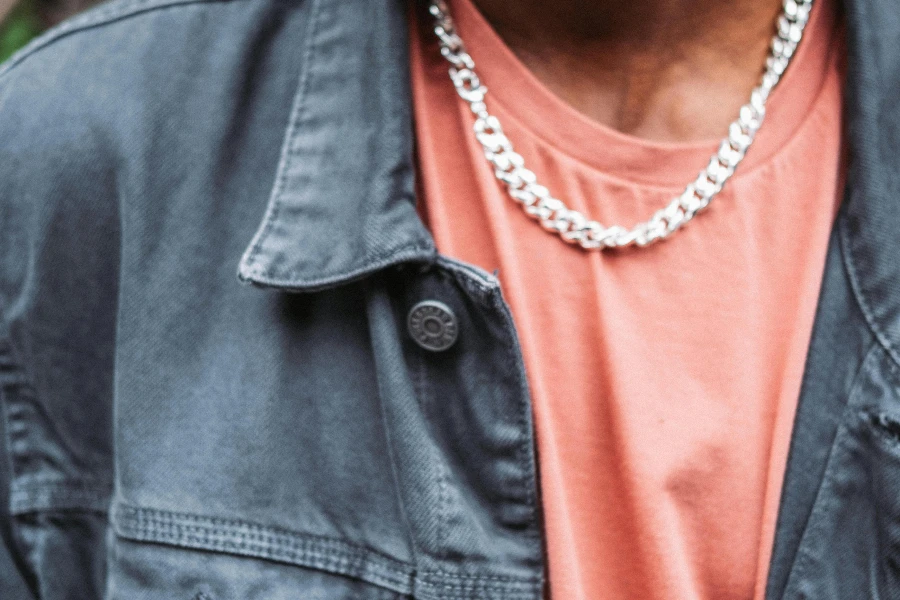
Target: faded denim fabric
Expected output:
[208,249]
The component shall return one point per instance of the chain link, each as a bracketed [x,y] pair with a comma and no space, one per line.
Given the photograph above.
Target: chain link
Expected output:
[571,225]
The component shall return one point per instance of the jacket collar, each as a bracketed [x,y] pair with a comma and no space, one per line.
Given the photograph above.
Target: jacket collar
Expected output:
[343,202]
[870,231]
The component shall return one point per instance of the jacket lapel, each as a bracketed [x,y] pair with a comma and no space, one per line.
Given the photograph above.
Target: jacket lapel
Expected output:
[859,303]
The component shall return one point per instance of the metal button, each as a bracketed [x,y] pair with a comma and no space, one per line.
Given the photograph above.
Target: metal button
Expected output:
[432,325]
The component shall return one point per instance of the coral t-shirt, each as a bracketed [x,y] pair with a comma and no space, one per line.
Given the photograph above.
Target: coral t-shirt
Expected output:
[664,380]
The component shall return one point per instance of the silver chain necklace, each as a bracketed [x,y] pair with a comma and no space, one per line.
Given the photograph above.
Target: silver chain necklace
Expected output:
[571,225]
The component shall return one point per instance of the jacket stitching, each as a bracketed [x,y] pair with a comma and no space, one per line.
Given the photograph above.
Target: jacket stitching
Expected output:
[395,471]
[466,580]
[439,471]
[470,280]
[297,114]
[449,591]
[216,524]
[24,491]
[801,562]
[489,292]
[268,542]
[526,451]
[511,585]
[28,495]
[102,15]
[527,462]
[804,382]
[315,551]
[477,284]
[324,559]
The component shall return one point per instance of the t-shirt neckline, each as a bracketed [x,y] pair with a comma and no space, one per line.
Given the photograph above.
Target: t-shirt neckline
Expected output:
[514,92]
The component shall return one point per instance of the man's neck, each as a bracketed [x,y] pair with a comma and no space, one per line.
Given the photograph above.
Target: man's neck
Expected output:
[669,70]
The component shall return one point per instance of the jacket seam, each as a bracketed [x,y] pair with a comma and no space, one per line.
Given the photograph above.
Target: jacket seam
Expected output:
[249,268]
[473,279]
[17,544]
[9,412]
[800,562]
[296,116]
[98,17]
[373,264]
[488,287]
[438,469]
[859,296]
[527,448]
[395,475]
[241,537]
[30,496]
[805,379]
[439,588]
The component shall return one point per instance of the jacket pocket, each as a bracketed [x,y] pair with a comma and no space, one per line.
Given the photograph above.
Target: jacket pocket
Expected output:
[162,555]
[851,546]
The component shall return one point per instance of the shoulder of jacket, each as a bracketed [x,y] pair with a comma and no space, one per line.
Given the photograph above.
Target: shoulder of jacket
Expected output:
[90,27]
[81,79]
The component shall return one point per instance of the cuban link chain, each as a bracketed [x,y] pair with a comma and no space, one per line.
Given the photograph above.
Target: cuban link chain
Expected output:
[571,225]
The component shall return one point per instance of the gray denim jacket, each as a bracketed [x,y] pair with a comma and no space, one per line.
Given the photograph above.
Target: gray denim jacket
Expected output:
[173,433]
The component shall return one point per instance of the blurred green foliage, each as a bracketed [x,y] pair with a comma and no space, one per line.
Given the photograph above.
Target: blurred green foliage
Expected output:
[18,28]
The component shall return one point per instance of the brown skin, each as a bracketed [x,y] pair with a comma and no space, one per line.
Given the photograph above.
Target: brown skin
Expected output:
[52,12]
[665,70]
